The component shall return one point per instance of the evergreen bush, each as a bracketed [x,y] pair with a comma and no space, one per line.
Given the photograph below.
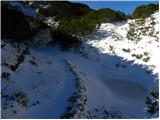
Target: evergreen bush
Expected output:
[16,25]
[145,11]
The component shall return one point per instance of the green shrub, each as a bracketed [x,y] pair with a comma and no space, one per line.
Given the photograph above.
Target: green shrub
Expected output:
[152,102]
[146,53]
[85,25]
[64,10]
[75,28]
[146,59]
[65,40]
[80,9]
[17,26]
[126,50]
[138,56]
[69,32]
[12,23]
[75,20]
[109,15]
[145,11]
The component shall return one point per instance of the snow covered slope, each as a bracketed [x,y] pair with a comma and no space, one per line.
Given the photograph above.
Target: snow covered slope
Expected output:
[108,77]
[117,41]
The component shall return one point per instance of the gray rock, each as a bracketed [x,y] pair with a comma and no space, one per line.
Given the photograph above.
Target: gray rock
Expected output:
[43,37]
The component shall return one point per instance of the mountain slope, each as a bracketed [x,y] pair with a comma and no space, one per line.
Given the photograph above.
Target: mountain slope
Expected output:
[108,77]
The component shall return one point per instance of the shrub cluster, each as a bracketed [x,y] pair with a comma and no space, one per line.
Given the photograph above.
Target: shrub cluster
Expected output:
[16,25]
[81,22]
[64,39]
[75,20]
[145,11]
[109,15]
[68,32]
[64,10]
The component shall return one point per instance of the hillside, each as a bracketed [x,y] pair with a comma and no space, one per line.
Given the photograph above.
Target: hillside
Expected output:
[113,74]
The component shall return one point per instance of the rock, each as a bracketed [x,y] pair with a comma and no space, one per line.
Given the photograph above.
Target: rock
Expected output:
[43,37]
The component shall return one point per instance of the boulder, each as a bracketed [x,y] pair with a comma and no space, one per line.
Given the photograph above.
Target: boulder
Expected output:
[43,37]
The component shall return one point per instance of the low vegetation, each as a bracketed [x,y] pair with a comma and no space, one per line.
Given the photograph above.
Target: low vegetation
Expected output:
[126,50]
[63,10]
[74,27]
[75,20]
[5,75]
[145,11]
[152,102]
[16,25]
[137,56]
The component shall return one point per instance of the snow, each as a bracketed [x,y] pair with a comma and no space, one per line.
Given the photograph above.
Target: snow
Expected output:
[109,78]
[50,21]
[40,84]
[97,74]
[146,44]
